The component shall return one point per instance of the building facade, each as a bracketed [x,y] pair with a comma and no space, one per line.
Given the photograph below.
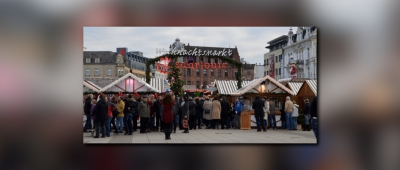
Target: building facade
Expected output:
[273,59]
[200,77]
[259,71]
[301,49]
[103,67]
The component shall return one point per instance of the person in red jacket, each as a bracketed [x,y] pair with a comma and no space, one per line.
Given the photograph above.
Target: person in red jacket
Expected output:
[167,115]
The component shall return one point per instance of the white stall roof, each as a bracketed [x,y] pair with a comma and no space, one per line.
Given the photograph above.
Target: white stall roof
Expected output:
[226,87]
[157,83]
[148,88]
[91,85]
[313,85]
[255,83]
[295,86]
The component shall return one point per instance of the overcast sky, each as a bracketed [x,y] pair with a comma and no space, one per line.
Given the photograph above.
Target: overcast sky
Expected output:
[250,41]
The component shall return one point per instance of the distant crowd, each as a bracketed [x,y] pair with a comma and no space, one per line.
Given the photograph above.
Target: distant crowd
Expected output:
[168,113]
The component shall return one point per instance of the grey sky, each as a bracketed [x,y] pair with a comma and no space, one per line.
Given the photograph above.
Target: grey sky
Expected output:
[250,41]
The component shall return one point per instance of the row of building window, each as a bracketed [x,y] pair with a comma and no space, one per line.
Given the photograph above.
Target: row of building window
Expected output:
[197,83]
[189,73]
[277,72]
[97,72]
[266,62]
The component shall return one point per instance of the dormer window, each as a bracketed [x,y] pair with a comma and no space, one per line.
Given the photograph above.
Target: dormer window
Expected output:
[87,60]
[97,60]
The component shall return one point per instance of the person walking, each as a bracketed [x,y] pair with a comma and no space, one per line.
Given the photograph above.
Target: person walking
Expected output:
[289,110]
[191,105]
[129,110]
[258,106]
[110,109]
[136,113]
[238,111]
[314,118]
[266,111]
[114,115]
[157,109]
[224,113]
[176,109]
[86,109]
[307,115]
[283,115]
[207,107]
[100,112]
[295,114]
[144,112]
[199,112]
[271,116]
[215,113]
[120,116]
[167,115]
[231,115]
[150,124]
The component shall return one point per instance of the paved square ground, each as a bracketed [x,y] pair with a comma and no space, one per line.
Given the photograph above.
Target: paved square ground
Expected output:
[210,136]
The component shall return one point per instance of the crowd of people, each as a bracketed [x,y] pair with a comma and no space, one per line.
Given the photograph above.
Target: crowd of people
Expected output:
[168,113]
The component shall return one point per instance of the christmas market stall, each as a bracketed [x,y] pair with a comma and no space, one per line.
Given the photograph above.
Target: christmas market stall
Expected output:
[226,87]
[129,83]
[307,90]
[262,87]
[90,87]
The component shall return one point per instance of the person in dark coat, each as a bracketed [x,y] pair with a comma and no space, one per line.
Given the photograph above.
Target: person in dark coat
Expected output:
[258,106]
[313,109]
[271,116]
[307,115]
[224,113]
[199,112]
[86,109]
[157,109]
[192,113]
[129,110]
[100,111]
[283,115]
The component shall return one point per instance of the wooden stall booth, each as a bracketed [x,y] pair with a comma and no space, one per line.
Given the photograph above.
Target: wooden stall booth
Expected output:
[262,87]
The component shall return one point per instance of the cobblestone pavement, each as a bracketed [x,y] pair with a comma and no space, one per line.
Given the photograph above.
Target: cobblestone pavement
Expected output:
[210,136]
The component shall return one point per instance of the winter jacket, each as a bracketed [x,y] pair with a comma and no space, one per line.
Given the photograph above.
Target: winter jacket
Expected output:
[266,107]
[289,107]
[100,111]
[307,109]
[157,107]
[238,107]
[120,108]
[144,110]
[88,104]
[258,106]
[92,109]
[283,114]
[150,103]
[168,115]
[313,107]
[192,107]
[199,108]
[224,107]
[129,103]
[272,108]
[111,108]
[207,105]
[216,110]
[295,110]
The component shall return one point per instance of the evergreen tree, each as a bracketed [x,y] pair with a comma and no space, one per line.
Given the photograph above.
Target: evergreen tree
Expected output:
[176,82]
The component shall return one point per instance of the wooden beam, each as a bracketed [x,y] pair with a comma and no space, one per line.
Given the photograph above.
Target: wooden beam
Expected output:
[119,87]
[257,90]
[139,87]
[274,89]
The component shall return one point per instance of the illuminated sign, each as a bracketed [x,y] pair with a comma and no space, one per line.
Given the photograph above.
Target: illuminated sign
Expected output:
[163,65]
